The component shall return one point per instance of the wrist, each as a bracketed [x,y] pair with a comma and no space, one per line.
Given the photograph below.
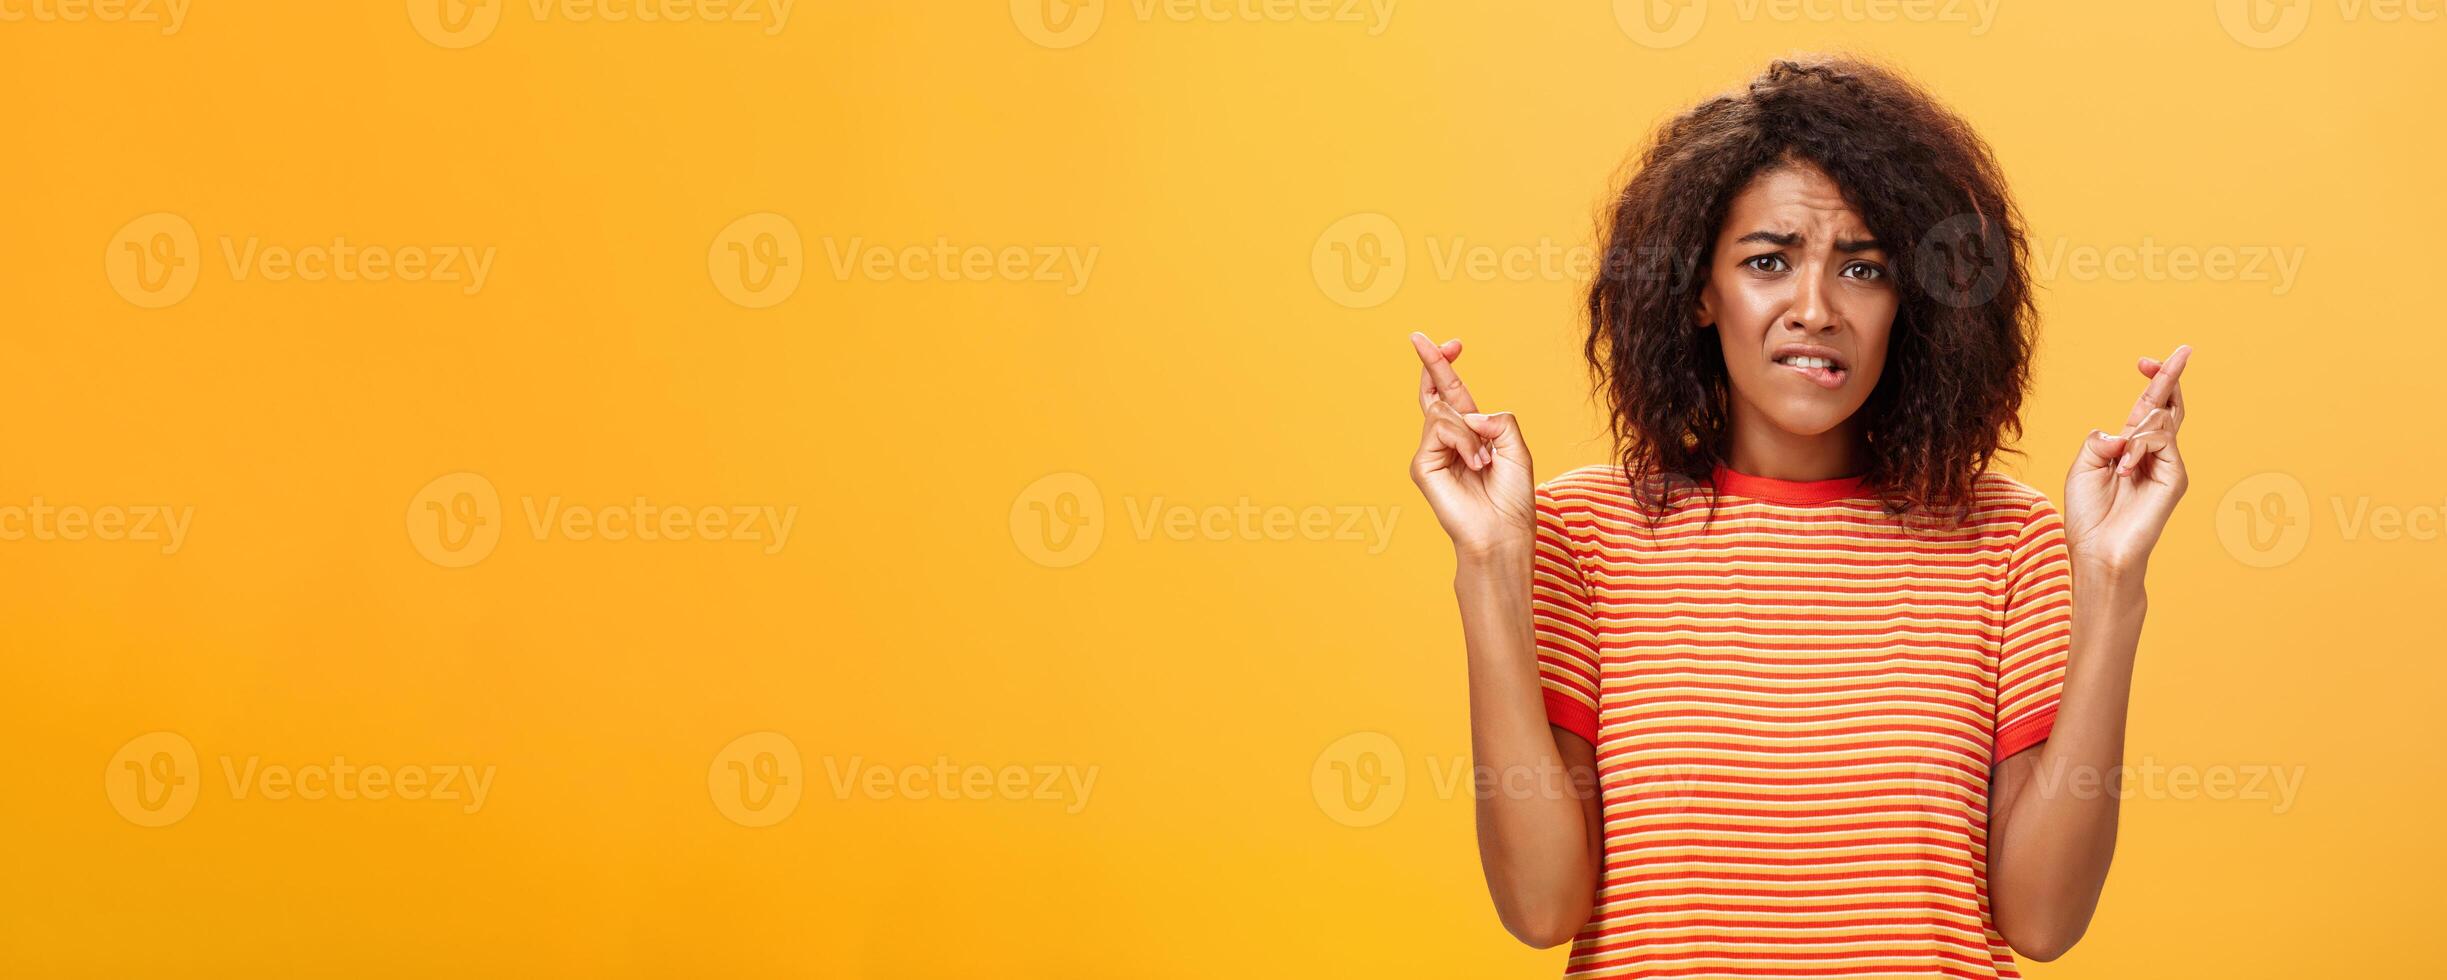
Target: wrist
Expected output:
[2123,582]
[1503,557]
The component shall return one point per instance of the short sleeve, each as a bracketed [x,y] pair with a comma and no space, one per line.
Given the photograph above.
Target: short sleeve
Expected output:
[2038,632]
[1565,627]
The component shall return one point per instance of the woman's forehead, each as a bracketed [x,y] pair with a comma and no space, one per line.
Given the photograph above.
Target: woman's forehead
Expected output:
[1795,198]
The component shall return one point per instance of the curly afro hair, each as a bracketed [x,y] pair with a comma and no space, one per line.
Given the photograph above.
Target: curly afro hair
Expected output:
[1958,360]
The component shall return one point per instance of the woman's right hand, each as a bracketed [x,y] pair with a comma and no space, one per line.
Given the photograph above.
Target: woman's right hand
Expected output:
[1540,850]
[1473,467]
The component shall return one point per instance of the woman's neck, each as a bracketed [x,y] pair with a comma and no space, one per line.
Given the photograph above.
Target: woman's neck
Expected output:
[1760,448]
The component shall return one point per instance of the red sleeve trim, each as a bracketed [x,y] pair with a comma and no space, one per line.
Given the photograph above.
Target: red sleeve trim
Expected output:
[2031,730]
[1570,715]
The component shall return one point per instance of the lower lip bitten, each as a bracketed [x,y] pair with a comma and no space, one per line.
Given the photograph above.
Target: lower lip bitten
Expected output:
[1826,377]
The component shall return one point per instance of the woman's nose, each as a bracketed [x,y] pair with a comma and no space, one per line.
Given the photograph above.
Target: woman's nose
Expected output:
[1811,312]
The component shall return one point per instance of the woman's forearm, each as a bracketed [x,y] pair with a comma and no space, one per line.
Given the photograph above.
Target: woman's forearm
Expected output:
[2058,812]
[1533,805]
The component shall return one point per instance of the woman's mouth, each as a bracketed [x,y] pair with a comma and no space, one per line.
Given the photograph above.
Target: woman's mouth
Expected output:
[1822,370]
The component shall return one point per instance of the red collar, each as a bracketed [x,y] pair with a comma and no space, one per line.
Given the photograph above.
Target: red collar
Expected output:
[1788,491]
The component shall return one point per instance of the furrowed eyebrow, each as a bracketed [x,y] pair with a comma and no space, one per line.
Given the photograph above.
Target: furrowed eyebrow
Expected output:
[1791,239]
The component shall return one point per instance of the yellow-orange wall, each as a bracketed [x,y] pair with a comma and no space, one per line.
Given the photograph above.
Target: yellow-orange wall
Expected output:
[1128,513]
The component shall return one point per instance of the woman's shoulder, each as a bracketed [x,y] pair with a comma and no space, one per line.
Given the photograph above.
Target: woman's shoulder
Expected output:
[1598,484]
[1589,495]
[1601,494]
[1997,488]
[1591,481]
[1999,499]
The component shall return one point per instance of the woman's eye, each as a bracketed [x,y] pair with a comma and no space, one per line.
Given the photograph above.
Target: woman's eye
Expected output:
[1865,272]
[1765,263]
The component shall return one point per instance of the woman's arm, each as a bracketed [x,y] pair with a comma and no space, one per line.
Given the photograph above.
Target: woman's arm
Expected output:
[1535,785]
[2052,822]
[1538,825]
[2053,809]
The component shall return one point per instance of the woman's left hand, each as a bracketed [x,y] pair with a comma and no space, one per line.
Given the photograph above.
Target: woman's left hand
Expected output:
[2123,487]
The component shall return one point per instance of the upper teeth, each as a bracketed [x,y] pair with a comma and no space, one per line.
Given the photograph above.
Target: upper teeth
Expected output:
[1807,362]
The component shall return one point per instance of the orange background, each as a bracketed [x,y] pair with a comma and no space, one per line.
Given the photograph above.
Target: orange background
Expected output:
[1207,668]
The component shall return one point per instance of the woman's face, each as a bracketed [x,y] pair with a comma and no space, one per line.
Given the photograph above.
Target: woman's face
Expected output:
[1802,297]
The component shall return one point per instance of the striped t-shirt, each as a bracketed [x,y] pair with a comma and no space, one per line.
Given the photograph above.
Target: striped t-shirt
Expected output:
[1796,707]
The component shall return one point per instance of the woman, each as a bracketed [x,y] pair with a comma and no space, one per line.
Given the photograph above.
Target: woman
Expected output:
[1797,686]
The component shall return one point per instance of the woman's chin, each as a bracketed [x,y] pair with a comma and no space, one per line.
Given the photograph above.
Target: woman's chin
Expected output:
[1810,421]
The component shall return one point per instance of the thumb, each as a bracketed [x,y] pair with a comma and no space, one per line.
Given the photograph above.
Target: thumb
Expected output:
[1500,429]
[1502,434]
[2100,450]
